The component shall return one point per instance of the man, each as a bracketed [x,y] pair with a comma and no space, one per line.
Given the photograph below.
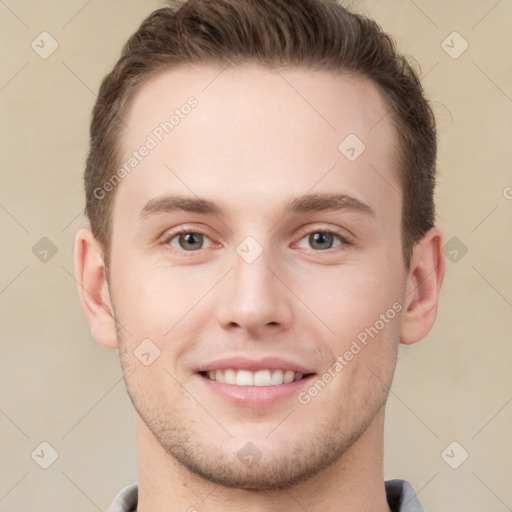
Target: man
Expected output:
[260,191]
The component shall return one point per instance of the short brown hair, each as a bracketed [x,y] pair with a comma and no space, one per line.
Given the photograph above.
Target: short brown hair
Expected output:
[315,34]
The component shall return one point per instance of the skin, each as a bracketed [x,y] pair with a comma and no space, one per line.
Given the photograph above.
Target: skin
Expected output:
[251,145]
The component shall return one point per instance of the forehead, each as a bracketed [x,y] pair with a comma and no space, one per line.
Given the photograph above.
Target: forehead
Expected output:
[254,130]
[334,102]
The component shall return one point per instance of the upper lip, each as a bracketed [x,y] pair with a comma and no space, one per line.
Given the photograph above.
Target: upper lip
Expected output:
[264,363]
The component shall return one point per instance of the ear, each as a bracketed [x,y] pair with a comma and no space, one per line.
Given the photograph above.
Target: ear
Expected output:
[93,288]
[423,287]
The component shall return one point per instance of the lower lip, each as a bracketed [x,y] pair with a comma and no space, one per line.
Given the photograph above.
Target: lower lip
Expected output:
[255,396]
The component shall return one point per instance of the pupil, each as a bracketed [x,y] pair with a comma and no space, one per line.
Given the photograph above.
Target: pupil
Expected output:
[321,238]
[191,240]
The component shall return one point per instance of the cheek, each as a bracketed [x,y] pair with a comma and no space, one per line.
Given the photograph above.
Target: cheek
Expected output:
[349,299]
[164,303]
[361,308]
[149,386]
[366,348]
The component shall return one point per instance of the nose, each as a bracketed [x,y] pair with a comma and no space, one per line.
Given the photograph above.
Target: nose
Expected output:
[254,296]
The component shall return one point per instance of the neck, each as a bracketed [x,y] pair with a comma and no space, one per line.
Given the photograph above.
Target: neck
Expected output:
[353,483]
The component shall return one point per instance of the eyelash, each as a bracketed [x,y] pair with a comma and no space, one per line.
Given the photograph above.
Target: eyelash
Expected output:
[345,241]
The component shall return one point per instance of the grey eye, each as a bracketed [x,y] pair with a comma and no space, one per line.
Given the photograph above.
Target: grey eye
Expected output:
[321,240]
[188,240]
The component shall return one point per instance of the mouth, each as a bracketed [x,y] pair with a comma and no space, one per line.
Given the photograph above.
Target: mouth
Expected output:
[254,382]
[264,378]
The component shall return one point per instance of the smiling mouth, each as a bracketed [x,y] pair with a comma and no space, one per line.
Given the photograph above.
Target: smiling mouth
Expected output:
[270,377]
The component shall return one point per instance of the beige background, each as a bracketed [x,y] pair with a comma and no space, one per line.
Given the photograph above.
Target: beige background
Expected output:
[60,387]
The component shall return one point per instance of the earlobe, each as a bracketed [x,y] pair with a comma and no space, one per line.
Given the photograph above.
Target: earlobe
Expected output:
[93,288]
[423,287]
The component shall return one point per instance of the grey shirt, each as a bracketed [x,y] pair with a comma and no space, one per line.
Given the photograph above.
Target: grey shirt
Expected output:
[400,495]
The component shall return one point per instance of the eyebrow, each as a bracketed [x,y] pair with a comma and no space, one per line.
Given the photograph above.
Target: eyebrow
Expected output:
[303,204]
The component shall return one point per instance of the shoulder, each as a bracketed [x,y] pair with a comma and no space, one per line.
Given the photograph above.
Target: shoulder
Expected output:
[126,499]
[401,496]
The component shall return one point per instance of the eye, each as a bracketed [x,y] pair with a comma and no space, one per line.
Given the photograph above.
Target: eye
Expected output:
[192,240]
[323,239]
[187,240]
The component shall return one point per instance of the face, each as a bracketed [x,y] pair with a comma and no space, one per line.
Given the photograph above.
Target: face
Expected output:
[253,235]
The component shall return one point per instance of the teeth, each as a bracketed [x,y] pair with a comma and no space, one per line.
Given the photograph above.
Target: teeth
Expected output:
[262,378]
[277,377]
[259,378]
[243,378]
[229,376]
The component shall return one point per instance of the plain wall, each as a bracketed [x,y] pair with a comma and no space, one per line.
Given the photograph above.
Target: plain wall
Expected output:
[60,387]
